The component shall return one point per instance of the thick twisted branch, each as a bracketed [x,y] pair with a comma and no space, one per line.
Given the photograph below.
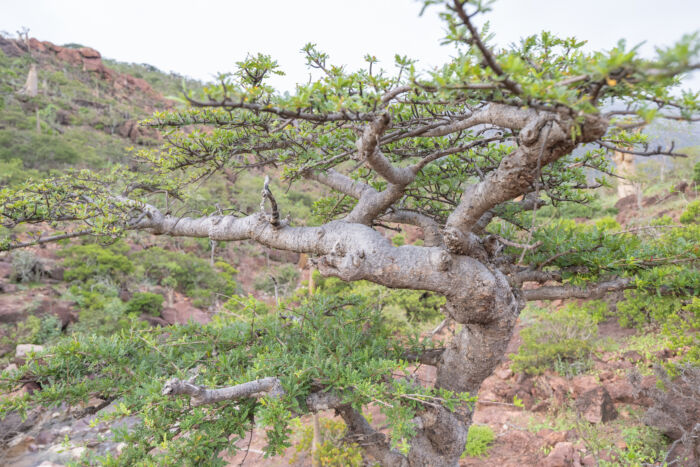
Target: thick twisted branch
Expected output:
[200,395]
[560,292]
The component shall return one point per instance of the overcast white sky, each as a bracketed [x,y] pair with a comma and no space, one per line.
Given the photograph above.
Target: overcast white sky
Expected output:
[200,38]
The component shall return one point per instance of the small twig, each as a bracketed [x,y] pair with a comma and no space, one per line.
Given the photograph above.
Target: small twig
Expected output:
[507,242]
[267,194]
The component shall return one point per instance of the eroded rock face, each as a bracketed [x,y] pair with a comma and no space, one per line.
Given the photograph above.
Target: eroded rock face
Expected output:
[596,406]
[40,440]
[86,57]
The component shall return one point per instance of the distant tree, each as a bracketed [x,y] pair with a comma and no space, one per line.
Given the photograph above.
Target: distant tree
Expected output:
[467,153]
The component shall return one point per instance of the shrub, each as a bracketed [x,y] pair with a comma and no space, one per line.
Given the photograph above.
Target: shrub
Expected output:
[562,339]
[639,309]
[682,329]
[101,311]
[479,441]
[34,330]
[49,329]
[696,173]
[691,215]
[187,273]
[85,263]
[145,302]
[26,266]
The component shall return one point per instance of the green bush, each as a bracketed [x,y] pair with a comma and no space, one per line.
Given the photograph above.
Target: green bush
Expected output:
[12,172]
[640,308]
[145,302]
[187,273]
[562,339]
[100,314]
[479,441]
[49,329]
[691,215]
[696,173]
[683,328]
[86,263]
[33,330]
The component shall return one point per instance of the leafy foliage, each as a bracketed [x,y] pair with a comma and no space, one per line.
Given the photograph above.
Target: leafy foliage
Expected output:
[333,451]
[187,273]
[339,344]
[479,441]
[88,263]
[145,302]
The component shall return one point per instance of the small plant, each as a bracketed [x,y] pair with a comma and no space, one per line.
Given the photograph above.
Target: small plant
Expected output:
[145,302]
[332,451]
[398,240]
[479,441]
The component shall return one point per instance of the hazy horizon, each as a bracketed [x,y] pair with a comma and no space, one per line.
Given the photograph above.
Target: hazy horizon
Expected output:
[201,42]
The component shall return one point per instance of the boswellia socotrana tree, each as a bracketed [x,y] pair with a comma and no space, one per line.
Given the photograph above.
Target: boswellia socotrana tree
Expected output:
[468,153]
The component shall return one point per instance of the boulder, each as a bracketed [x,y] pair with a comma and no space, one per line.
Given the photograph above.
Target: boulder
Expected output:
[71,56]
[622,391]
[46,437]
[596,406]
[504,373]
[37,45]
[632,356]
[183,312]
[5,270]
[583,383]
[562,455]
[11,309]
[154,320]
[89,52]
[552,437]
[551,387]
[50,46]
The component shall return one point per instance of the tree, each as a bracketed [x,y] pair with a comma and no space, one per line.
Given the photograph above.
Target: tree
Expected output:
[468,153]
